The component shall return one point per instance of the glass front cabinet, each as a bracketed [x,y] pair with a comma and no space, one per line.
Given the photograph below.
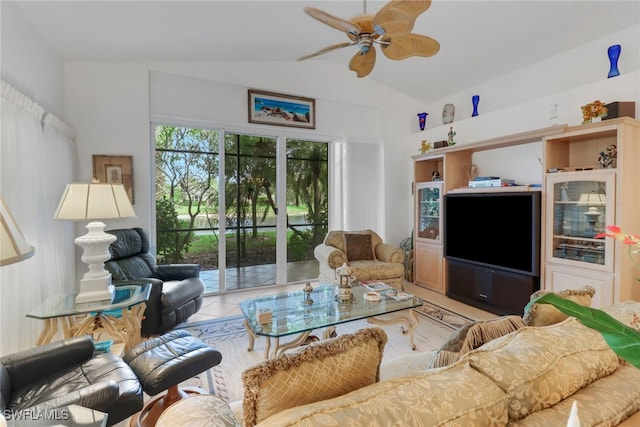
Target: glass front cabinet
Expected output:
[428,201]
[429,261]
[580,205]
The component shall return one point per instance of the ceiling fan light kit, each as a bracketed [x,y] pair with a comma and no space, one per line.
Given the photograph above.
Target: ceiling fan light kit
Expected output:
[390,28]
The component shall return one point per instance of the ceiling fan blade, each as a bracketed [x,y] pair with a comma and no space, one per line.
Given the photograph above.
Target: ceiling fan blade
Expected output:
[398,16]
[402,47]
[362,63]
[332,21]
[325,50]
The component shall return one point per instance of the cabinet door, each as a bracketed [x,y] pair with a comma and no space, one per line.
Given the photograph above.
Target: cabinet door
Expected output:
[428,208]
[560,278]
[579,206]
[428,262]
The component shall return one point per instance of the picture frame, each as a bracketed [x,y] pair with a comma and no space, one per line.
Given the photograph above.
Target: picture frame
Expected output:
[115,170]
[277,109]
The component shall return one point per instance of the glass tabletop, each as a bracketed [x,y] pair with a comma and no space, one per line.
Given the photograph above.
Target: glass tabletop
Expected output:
[291,316]
[61,305]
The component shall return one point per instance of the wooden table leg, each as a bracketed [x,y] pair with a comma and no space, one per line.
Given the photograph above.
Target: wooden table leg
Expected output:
[48,332]
[411,323]
[281,348]
[250,334]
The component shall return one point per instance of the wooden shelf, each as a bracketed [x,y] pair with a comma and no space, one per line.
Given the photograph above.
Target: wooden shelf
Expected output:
[510,189]
[494,143]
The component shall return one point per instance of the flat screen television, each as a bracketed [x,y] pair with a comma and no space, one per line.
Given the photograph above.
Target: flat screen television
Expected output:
[500,230]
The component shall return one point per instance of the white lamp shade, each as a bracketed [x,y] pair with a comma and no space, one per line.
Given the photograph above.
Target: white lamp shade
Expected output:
[592,199]
[13,246]
[94,201]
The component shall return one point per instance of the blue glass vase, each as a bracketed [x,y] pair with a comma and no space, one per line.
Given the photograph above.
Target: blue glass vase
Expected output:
[422,120]
[614,55]
[475,99]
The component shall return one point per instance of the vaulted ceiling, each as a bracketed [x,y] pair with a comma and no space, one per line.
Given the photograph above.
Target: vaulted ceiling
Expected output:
[479,39]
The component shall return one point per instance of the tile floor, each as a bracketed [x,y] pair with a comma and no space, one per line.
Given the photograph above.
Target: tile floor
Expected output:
[240,278]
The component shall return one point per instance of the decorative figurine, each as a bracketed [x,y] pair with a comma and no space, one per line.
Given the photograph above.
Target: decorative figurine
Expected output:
[308,289]
[435,176]
[553,114]
[424,146]
[448,113]
[452,133]
[344,283]
[607,160]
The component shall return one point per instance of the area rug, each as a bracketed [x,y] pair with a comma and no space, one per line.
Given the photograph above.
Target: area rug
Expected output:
[229,336]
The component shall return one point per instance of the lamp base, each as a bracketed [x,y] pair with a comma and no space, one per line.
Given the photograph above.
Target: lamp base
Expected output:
[96,283]
[95,290]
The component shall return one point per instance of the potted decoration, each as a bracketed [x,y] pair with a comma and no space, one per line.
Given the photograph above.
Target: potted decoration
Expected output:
[594,112]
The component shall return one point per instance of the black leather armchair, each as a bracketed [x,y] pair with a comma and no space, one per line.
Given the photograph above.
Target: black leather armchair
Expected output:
[176,291]
[65,373]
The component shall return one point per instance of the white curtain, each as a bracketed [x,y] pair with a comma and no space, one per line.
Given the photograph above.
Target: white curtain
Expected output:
[37,160]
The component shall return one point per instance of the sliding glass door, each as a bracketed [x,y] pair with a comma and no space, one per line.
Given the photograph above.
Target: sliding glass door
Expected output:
[250,210]
[307,206]
[218,199]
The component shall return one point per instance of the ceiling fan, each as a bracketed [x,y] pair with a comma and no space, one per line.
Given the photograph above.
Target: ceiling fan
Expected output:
[390,28]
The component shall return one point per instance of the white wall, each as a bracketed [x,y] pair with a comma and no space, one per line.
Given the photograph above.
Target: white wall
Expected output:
[29,65]
[522,101]
[27,62]
[110,105]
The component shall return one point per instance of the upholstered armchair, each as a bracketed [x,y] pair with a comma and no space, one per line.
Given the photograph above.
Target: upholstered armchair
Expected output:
[365,253]
[176,291]
[64,373]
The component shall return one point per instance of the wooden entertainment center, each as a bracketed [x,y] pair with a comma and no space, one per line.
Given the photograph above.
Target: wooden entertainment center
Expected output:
[570,257]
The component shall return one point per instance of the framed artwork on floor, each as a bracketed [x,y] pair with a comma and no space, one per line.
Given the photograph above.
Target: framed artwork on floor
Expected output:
[281,110]
[115,170]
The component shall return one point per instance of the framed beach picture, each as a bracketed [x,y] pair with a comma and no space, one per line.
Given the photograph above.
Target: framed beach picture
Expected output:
[281,110]
[115,170]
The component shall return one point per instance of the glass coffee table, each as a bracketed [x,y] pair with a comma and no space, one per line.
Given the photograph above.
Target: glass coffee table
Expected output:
[291,316]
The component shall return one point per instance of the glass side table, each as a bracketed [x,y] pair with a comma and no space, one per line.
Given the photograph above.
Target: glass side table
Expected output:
[120,318]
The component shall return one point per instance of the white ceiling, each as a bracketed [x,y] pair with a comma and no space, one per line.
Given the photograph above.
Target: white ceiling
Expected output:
[479,39]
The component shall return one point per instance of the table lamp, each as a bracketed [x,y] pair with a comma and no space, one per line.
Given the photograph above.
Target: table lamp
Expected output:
[591,200]
[93,202]
[13,246]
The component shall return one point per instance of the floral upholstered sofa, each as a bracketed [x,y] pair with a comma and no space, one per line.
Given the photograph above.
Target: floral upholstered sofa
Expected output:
[365,254]
[529,377]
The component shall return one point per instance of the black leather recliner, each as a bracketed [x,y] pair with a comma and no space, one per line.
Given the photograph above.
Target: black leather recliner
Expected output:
[65,373]
[176,291]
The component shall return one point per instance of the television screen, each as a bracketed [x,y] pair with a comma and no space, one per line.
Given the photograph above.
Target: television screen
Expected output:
[494,229]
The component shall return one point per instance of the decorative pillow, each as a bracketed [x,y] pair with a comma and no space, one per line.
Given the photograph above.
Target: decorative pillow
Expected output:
[319,371]
[358,247]
[456,395]
[546,314]
[538,367]
[199,409]
[473,335]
